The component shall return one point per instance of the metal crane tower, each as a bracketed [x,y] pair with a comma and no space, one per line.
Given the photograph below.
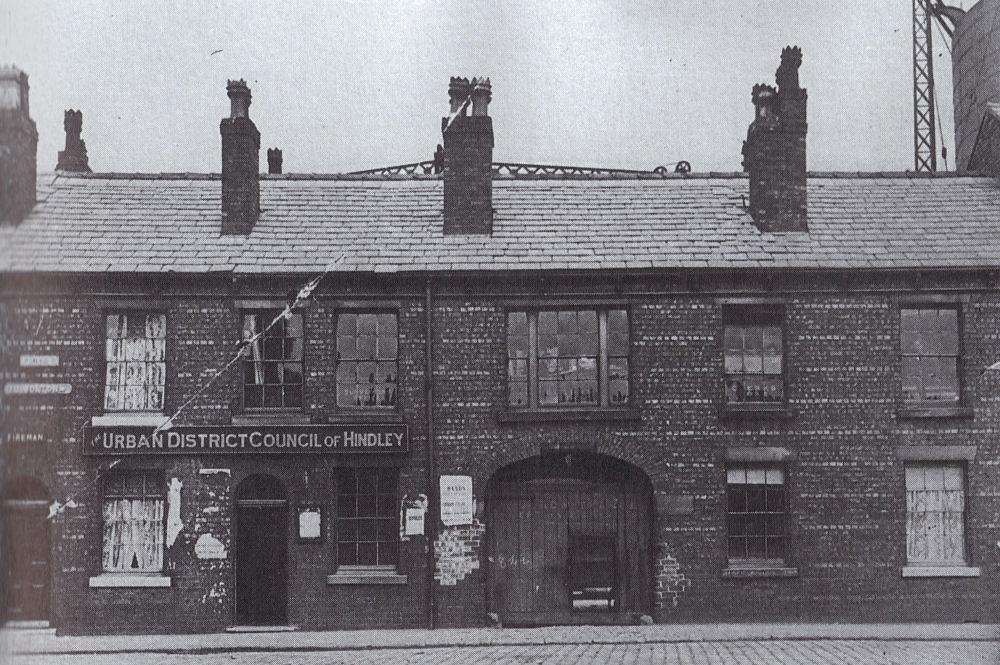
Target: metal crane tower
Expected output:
[924,135]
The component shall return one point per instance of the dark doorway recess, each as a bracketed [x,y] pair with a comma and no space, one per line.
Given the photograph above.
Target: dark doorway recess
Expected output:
[261,552]
[569,541]
[24,551]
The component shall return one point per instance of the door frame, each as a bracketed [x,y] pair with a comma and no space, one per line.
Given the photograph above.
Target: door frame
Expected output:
[17,496]
[532,478]
[251,504]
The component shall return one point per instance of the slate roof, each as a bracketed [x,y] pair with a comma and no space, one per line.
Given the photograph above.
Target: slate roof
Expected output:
[170,223]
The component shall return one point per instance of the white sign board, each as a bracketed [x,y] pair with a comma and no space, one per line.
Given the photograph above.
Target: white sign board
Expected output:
[37,389]
[310,524]
[414,522]
[39,361]
[456,500]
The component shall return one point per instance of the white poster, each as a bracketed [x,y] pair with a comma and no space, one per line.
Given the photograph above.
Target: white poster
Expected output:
[456,500]
[414,522]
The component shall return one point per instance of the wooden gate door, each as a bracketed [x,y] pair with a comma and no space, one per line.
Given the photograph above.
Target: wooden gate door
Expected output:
[26,541]
[260,561]
[564,551]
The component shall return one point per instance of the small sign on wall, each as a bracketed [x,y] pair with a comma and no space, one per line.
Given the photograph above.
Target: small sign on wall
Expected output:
[310,524]
[39,361]
[456,500]
[414,522]
[37,389]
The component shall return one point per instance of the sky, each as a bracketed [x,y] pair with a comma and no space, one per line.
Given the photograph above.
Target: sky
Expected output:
[344,85]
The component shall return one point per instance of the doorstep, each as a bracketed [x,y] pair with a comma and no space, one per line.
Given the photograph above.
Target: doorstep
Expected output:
[262,629]
[28,625]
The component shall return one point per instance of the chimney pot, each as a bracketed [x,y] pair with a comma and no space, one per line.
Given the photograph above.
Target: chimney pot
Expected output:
[481,96]
[18,147]
[273,160]
[74,157]
[459,90]
[240,164]
[239,98]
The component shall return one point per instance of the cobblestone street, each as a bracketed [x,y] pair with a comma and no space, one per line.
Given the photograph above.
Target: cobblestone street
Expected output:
[797,652]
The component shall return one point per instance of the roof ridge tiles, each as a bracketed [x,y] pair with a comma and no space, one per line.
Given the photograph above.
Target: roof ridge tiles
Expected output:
[702,175]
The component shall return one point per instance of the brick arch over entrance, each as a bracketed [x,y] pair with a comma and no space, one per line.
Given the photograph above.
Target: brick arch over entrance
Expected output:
[569,540]
[25,553]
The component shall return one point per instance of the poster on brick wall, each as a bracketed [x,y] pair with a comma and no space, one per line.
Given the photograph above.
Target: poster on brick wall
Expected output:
[456,500]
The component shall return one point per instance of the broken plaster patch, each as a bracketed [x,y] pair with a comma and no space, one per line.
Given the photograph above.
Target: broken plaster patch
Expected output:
[209,547]
[174,524]
[456,552]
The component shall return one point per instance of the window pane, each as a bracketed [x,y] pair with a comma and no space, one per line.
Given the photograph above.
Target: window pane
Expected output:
[517,324]
[133,522]
[518,393]
[367,517]
[369,337]
[618,321]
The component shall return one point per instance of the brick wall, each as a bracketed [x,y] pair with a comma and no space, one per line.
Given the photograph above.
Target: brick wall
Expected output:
[845,487]
[42,439]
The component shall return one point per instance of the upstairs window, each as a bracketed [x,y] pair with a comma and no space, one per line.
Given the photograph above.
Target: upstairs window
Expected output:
[133,522]
[935,515]
[272,365]
[754,357]
[367,359]
[568,358]
[135,351]
[930,349]
[756,515]
[368,517]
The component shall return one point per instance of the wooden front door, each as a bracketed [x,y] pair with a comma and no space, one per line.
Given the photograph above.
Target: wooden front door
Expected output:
[568,551]
[26,549]
[260,561]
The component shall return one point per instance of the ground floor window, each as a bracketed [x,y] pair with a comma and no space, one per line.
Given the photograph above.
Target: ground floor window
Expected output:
[368,517]
[935,514]
[756,515]
[133,521]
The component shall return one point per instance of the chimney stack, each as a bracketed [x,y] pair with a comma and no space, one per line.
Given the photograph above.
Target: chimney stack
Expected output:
[240,163]
[273,160]
[74,157]
[468,159]
[18,147]
[774,153]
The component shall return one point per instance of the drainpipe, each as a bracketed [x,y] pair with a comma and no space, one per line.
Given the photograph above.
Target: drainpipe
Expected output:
[430,524]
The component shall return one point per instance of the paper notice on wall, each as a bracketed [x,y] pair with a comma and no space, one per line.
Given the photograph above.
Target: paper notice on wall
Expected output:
[174,524]
[414,522]
[310,524]
[456,500]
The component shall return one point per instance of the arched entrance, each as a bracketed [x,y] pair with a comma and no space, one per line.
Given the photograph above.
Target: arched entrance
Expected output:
[25,551]
[569,540]
[260,553]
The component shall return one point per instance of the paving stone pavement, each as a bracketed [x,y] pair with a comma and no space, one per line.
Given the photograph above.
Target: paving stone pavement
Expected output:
[738,652]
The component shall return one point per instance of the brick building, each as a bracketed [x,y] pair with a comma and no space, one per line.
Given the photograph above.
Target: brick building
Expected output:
[741,396]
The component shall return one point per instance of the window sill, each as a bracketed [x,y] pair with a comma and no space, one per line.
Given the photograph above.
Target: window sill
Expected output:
[596,414]
[129,419]
[368,575]
[758,572]
[916,412]
[770,412]
[275,417]
[374,415]
[940,571]
[129,581]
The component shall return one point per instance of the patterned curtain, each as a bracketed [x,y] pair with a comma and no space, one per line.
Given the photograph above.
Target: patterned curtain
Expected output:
[935,514]
[136,362]
[133,535]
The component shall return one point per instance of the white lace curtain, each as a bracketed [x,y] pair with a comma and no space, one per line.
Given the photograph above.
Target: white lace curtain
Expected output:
[136,356]
[133,535]
[935,515]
